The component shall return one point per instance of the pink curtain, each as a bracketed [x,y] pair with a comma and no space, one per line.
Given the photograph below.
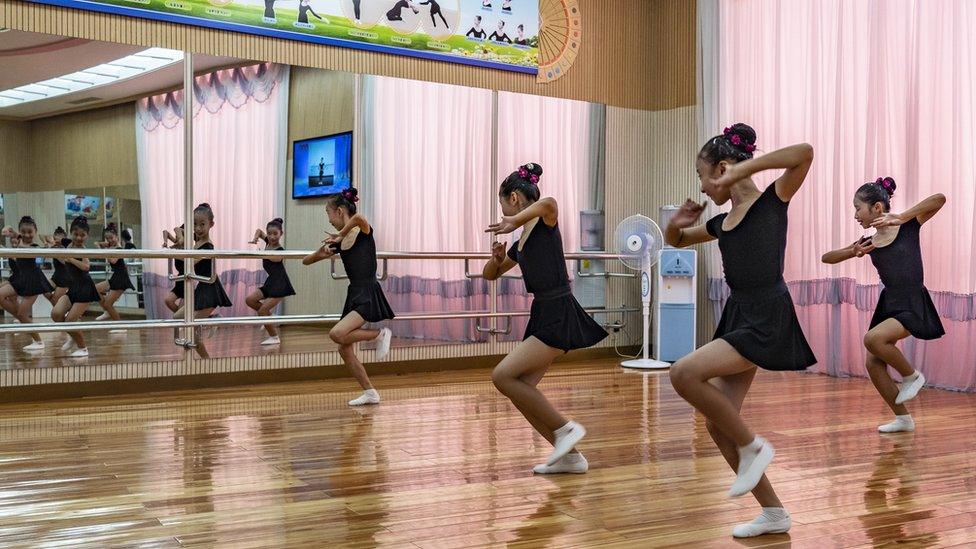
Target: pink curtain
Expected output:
[428,187]
[883,87]
[239,128]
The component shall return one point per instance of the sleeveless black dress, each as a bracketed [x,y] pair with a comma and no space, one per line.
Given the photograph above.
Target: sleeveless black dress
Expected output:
[208,295]
[905,297]
[82,288]
[365,295]
[120,277]
[27,278]
[556,318]
[61,278]
[759,319]
[278,284]
[178,284]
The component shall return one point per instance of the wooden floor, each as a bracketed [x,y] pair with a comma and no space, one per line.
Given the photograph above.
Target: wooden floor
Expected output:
[444,461]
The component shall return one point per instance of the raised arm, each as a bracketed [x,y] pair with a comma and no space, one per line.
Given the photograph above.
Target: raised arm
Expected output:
[679,232]
[795,159]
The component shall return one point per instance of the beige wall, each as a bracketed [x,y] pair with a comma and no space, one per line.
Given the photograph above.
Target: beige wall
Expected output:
[635,53]
[321,102]
[650,162]
[87,149]
[13,155]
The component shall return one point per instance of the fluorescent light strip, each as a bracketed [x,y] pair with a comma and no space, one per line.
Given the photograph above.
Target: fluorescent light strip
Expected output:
[106,73]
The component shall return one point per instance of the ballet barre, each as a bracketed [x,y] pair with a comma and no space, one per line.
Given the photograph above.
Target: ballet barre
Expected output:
[191,255]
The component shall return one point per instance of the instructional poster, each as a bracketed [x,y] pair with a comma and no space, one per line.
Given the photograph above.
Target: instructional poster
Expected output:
[501,34]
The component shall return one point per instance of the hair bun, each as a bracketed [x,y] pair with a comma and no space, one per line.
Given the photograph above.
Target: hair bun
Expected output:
[533,168]
[888,184]
[741,136]
[278,220]
[58,229]
[203,205]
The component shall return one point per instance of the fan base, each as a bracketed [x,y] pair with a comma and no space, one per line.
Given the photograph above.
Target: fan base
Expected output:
[645,364]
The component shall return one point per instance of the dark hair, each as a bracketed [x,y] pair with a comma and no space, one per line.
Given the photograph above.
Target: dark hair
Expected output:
[524,180]
[127,235]
[880,190]
[276,222]
[477,18]
[346,199]
[80,222]
[204,209]
[521,26]
[110,228]
[735,143]
[59,230]
[27,220]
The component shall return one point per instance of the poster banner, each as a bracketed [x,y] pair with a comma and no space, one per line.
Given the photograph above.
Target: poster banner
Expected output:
[499,34]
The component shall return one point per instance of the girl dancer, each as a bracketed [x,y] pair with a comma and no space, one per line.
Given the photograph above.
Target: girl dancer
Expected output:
[365,301]
[207,296]
[174,298]
[905,306]
[557,323]
[61,279]
[81,292]
[114,287]
[27,281]
[759,325]
[278,286]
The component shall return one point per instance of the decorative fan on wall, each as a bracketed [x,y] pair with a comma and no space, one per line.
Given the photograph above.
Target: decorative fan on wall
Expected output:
[559,37]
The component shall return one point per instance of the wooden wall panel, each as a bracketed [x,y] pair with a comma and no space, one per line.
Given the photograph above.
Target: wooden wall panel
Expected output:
[650,162]
[636,53]
[86,149]
[13,156]
[321,102]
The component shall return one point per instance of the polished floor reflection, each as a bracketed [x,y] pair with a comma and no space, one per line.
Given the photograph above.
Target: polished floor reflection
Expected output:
[446,462]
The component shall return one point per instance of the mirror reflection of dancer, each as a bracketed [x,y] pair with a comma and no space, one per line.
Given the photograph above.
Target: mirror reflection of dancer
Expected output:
[60,278]
[305,6]
[207,296]
[499,35]
[27,280]
[476,30]
[365,301]
[435,9]
[396,12]
[82,292]
[119,282]
[520,39]
[278,286]
[175,296]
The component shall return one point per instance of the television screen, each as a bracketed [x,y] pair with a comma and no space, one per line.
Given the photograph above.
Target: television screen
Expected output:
[75,205]
[322,165]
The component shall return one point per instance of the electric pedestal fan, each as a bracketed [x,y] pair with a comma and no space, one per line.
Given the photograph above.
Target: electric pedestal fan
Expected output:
[638,240]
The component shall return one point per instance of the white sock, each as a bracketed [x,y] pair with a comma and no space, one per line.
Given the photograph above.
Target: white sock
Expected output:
[773,520]
[912,377]
[570,463]
[901,424]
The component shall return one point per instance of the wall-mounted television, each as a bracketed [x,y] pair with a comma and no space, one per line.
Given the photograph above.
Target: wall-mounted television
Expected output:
[322,165]
[75,205]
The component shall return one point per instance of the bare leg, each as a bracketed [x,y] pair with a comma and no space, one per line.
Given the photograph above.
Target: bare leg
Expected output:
[347,333]
[76,311]
[517,376]
[690,378]
[108,303]
[735,387]
[267,306]
[24,314]
[173,302]
[880,342]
